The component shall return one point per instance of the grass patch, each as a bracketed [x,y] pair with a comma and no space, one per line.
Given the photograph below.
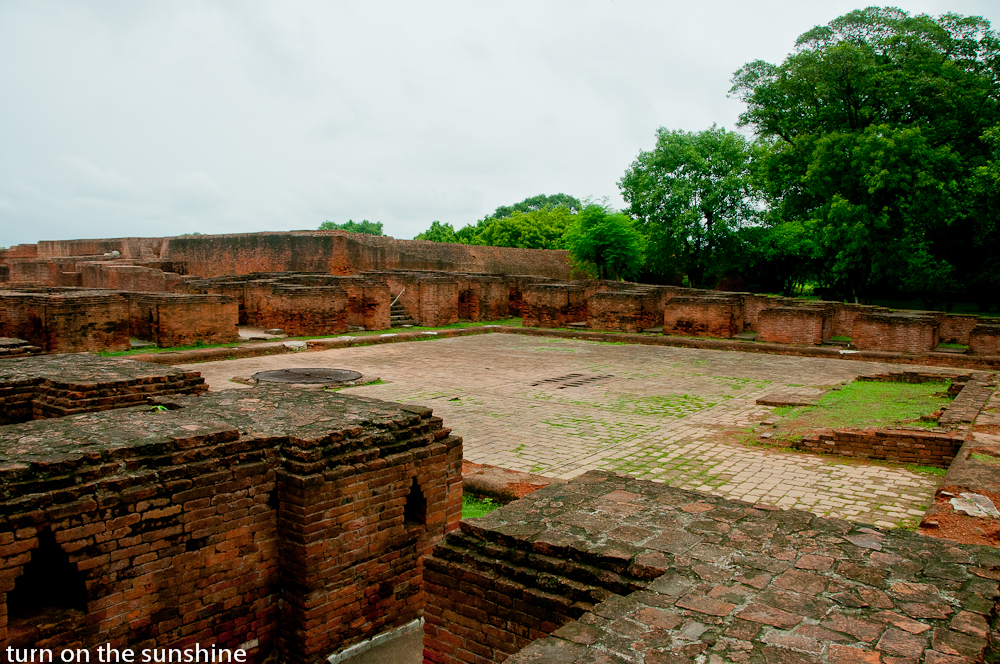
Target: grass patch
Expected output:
[474,507]
[955,346]
[840,337]
[985,458]
[866,404]
[154,349]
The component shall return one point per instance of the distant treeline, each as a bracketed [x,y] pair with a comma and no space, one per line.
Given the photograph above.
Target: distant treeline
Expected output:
[873,171]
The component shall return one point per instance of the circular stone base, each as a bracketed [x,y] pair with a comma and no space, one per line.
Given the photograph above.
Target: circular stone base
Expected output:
[325,377]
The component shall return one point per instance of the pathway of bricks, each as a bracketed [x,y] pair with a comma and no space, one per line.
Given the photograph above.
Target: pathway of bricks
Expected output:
[561,407]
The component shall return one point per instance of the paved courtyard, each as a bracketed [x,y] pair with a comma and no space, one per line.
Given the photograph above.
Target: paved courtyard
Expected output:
[560,407]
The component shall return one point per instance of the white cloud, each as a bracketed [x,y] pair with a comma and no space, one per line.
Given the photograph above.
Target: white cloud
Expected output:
[151,118]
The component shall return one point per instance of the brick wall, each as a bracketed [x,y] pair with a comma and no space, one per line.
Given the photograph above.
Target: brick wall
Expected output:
[69,321]
[845,314]
[554,305]
[205,535]
[794,325]
[703,316]
[899,445]
[895,332]
[482,297]
[336,252]
[956,328]
[625,311]
[183,320]
[119,276]
[985,340]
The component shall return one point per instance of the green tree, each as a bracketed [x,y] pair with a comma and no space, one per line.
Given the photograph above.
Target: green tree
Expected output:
[536,229]
[438,232]
[875,130]
[606,243]
[365,226]
[539,202]
[690,195]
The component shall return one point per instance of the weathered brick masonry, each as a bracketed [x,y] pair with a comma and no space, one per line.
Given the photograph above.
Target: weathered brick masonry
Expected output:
[66,321]
[896,332]
[623,570]
[985,339]
[796,324]
[43,386]
[267,519]
[180,320]
[710,315]
[923,447]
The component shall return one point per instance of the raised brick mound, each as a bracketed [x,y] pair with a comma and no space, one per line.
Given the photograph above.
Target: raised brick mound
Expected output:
[615,569]
[44,386]
[279,521]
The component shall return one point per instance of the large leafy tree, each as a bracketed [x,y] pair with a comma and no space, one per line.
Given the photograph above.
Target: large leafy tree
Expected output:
[690,194]
[538,222]
[606,243]
[876,129]
[438,232]
[365,226]
[536,229]
[533,203]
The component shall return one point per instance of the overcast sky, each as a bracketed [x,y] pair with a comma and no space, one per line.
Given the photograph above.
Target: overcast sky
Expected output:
[162,118]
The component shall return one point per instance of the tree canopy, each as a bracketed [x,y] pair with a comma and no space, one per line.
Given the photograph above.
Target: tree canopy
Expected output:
[365,226]
[605,242]
[533,203]
[876,138]
[690,195]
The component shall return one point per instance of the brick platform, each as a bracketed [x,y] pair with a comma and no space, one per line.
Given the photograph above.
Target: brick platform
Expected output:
[44,386]
[275,519]
[66,320]
[984,339]
[620,570]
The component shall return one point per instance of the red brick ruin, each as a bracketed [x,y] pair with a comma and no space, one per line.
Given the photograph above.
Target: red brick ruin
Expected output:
[85,295]
[140,511]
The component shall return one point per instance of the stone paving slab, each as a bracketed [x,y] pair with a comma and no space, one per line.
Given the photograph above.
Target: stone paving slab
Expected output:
[560,407]
[716,581]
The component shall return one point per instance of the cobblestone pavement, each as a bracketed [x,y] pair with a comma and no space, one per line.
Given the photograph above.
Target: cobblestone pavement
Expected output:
[562,407]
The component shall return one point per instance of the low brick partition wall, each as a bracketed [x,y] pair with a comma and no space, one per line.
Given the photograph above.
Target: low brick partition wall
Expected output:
[703,316]
[844,315]
[956,328]
[66,320]
[895,332]
[926,448]
[632,310]
[284,522]
[482,297]
[182,320]
[804,325]
[554,305]
[615,569]
[985,339]
[43,386]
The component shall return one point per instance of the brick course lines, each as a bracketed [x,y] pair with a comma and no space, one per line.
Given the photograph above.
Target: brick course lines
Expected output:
[278,516]
[610,568]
